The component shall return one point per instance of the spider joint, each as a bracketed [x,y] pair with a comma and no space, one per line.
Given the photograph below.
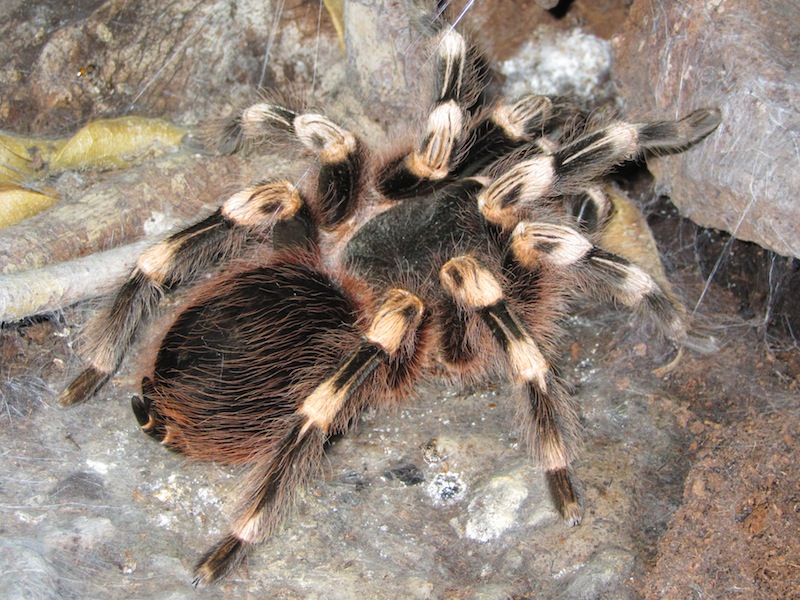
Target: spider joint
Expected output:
[469,283]
[398,316]
[557,245]
[318,133]
[275,200]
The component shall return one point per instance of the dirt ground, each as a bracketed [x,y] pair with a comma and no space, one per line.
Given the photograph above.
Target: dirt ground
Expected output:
[736,534]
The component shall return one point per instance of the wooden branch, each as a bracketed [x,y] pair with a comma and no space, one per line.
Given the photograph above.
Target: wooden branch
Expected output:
[57,286]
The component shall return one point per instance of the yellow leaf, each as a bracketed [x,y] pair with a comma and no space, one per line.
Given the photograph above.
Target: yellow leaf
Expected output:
[116,143]
[17,203]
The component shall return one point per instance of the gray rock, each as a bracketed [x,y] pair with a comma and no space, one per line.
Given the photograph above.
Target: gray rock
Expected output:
[743,58]
[570,63]
[26,573]
[494,509]
[601,577]
[93,58]
[97,510]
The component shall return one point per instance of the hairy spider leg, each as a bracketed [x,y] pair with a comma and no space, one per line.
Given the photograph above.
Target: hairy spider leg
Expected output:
[328,408]
[505,129]
[591,209]
[180,259]
[547,413]
[462,136]
[598,273]
[417,172]
[576,166]
[340,154]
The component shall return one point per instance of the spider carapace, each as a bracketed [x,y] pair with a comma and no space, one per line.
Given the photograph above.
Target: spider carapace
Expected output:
[456,256]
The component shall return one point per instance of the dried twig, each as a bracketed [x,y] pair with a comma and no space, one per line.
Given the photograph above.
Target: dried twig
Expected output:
[53,287]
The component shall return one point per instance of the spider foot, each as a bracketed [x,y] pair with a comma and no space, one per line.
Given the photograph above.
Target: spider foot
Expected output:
[83,387]
[565,496]
[220,560]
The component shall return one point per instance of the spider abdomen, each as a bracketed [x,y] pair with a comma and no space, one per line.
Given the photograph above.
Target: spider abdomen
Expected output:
[238,360]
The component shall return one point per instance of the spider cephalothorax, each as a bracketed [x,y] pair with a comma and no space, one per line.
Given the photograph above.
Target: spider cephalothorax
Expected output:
[456,257]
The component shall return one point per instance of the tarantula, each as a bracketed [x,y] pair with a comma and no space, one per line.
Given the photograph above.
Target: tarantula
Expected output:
[457,256]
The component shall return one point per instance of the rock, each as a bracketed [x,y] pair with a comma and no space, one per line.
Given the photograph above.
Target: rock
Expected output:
[567,63]
[673,57]
[69,65]
[380,73]
[737,527]
[601,577]
[494,509]
[140,515]
[27,573]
